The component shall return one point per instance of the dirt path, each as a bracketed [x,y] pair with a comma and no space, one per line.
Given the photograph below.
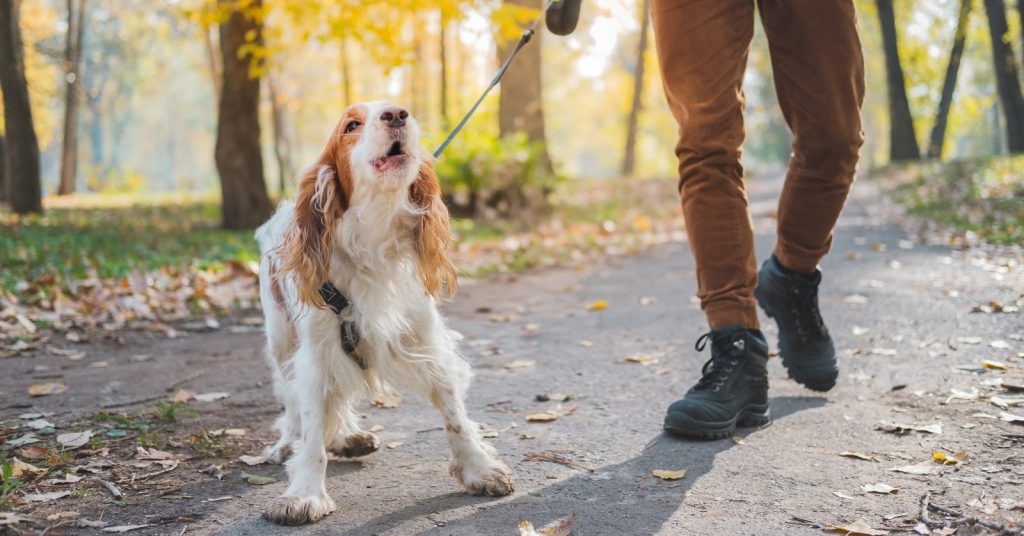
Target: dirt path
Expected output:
[902,318]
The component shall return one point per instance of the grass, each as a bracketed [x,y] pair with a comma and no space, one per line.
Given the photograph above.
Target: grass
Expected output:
[76,242]
[981,196]
[8,484]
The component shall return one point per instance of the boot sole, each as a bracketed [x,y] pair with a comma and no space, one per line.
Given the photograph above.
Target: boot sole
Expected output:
[750,416]
[820,379]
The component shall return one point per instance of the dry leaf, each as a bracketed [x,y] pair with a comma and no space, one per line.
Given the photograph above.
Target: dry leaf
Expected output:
[1010,417]
[45,497]
[125,528]
[994,365]
[396,444]
[884,489]
[857,528]
[19,468]
[386,401]
[999,345]
[842,495]
[253,460]
[598,305]
[858,455]
[665,474]
[74,440]
[183,396]
[519,364]
[142,453]
[559,527]
[903,429]
[257,480]
[950,459]
[923,468]
[551,414]
[856,299]
[377,428]
[210,397]
[43,389]
[640,359]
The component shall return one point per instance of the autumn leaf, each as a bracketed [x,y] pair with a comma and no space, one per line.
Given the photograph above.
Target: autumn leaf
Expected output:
[994,365]
[550,414]
[857,528]
[386,401]
[519,364]
[858,455]
[211,397]
[43,389]
[257,480]
[923,468]
[558,527]
[253,460]
[643,360]
[880,488]
[598,305]
[665,474]
[74,440]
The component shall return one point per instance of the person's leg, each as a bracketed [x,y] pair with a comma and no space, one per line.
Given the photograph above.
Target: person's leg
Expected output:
[819,78]
[702,47]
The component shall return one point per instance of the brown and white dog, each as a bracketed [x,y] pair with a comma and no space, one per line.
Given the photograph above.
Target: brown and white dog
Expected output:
[367,218]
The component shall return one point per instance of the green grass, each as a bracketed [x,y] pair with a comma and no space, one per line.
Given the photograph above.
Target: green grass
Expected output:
[112,242]
[983,196]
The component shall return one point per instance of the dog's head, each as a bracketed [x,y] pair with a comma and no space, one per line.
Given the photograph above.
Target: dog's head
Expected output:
[374,150]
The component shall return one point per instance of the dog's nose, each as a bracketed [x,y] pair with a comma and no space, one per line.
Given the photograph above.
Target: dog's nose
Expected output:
[394,116]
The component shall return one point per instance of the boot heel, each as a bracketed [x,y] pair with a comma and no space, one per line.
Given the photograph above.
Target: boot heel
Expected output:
[752,419]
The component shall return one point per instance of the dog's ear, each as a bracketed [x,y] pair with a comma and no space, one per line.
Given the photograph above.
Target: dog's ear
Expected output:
[433,234]
[319,204]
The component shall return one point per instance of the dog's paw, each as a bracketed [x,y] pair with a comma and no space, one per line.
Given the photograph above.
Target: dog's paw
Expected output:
[493,478]
[355,445]
[298,510]
[279,453]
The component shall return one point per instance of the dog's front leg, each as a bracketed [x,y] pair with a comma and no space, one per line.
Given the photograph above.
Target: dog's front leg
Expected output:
[306,500]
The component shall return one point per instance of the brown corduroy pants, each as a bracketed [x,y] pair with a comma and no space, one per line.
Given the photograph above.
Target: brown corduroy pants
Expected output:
[819,78]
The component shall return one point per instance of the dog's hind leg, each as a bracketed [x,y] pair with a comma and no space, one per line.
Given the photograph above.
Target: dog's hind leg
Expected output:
[352,441]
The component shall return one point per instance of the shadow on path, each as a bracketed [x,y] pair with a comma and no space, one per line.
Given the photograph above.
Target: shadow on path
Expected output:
[621,495]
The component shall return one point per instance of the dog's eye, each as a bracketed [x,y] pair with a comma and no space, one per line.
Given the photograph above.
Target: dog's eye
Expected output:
[352,125]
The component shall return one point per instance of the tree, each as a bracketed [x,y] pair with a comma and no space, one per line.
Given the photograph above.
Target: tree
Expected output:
[1007,83]
[902,139]
[3,171]
[244,202]
[520,108]
[72,83]
[22,163]
[629,159]
[938,136]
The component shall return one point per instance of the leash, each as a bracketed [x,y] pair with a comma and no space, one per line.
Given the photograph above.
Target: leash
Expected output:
[527,35]
[349,332]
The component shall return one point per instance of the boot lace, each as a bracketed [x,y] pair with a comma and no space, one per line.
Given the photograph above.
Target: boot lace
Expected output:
[806,314]
[725,357]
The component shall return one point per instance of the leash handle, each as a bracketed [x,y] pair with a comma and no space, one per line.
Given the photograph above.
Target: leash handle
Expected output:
[527,35]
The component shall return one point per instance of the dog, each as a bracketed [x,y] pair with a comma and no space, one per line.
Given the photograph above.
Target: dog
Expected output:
[367,220]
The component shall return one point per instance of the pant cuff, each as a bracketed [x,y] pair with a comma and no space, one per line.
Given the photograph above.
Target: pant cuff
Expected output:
[725,314]
[800,264]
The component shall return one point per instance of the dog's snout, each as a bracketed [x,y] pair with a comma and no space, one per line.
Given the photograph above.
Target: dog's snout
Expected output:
[394,116]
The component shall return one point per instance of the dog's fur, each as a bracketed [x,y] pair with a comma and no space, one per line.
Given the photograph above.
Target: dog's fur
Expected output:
[372,223]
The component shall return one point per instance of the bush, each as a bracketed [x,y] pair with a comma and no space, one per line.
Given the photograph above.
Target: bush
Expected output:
[485,176]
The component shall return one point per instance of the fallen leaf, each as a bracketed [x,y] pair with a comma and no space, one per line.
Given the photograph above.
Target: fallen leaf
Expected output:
[386,401]
[233,432]
[61,515]
[125,528]
[857,528]
[45,497]
[142,453]
[23,440]
[216,471]
[395,444]
[949,459]
[923,468]
[884,489]
[43,389]
[553,458]
[903,429]
[858,455]
[19,468]
[587,344]
[555,397]
[994,365]
[74,440]
[558,527]
[519,364]
[640,359]
[598,305]
[182,396]
[1010,417]
[39,424]
[551,414]
[842,495]
[856,299]
[665,474]
[211,397]
[969,340]
[888,352]
[487,431]
[257,480]
[858,330]
[10,518]
[999,344]
[377,428]
[253,460]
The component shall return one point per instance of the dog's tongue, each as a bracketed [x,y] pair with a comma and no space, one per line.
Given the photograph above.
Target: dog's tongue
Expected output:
[385,163]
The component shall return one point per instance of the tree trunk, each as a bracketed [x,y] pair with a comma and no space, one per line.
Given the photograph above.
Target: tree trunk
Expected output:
[629,159]
[938,136]
[520,108]
[902,139]
[24,190]
[72,81]
[213,63]
[3,171]
[1007,82]
[244,202]
[282,148]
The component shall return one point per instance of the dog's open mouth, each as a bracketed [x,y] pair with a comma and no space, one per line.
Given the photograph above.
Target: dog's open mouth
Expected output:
[394,158]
